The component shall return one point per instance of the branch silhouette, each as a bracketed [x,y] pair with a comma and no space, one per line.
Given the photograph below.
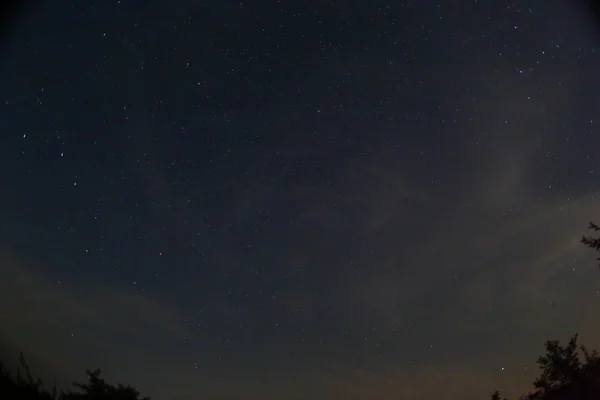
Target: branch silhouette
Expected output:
[571,371]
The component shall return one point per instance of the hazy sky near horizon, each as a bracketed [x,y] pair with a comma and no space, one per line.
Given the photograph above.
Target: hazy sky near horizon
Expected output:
[269,199]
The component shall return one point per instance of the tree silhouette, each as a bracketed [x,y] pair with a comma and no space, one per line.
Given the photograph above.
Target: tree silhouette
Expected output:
[560,365]
[26,388]
[564,375]
[98,389]
[591,241]
[496,396]
[23,388]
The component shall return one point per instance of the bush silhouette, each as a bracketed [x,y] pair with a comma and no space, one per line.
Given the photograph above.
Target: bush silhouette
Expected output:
[19,388]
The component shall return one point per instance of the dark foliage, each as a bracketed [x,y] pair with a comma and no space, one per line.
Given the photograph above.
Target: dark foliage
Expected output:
[18,387]
[564,374]
[591,241]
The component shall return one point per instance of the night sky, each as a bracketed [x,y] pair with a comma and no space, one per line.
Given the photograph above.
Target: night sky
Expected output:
[298,200]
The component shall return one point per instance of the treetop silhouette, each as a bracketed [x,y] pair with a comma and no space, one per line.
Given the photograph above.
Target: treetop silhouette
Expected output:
[17,387]
[564,375]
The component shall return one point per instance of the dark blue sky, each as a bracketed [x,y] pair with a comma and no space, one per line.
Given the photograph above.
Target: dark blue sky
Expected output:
[269,199]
